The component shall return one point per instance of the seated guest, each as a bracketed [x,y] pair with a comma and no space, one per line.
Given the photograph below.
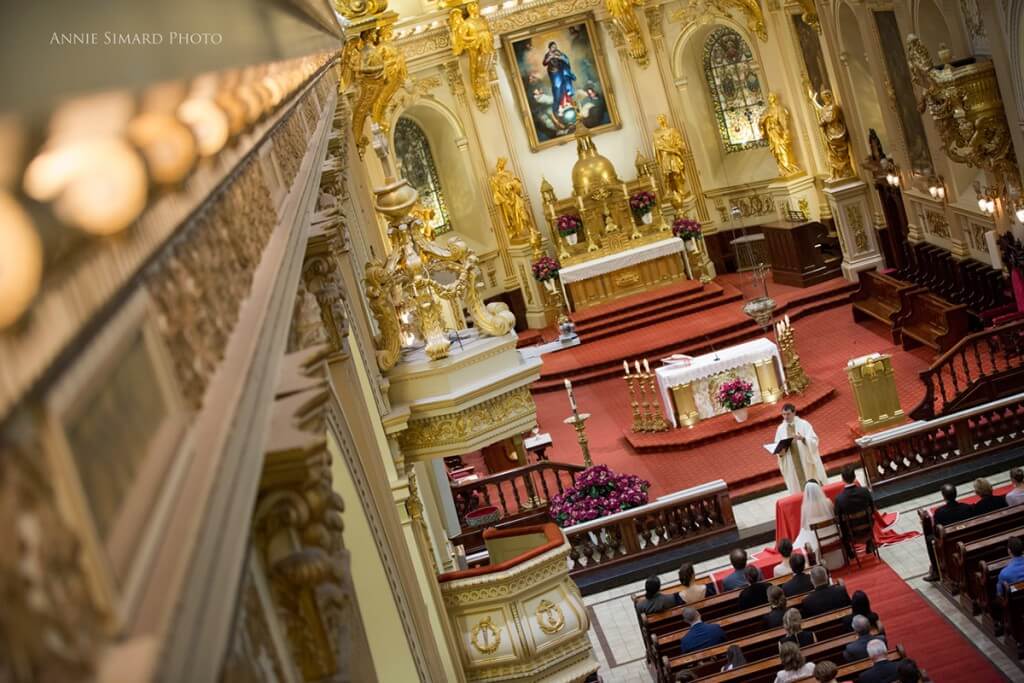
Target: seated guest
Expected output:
[777,601]
[794,629]
[693,591]
[1016,494]
[951,512]
[734,658]
[654,600]
[738,559]
[987,501]
[851,500]
[699,635]
[882,670]
[794,666]
[786,550]
[800,582]
[859,604]
[825,672]
[908,671]
[858,649]
[756,592]
[1014,569]
[824,597]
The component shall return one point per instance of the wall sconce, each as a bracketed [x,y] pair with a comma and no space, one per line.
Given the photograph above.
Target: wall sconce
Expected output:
[986,199]
[892,172]
[937,188]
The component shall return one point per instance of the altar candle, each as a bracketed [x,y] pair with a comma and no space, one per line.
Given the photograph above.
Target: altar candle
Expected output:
[786,318]
[647,368]
[636,364]
[572,399]
[625,366]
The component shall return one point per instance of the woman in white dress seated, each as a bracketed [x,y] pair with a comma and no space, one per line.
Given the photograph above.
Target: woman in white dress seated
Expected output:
[816,508]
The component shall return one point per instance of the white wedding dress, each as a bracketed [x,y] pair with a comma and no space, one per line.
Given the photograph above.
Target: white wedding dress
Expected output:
[815,508]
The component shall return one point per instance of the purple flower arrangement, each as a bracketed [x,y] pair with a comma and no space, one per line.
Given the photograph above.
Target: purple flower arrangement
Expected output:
[598,492]
[545,268]
[568,224]
[642,202]
[735,394]
[686,228]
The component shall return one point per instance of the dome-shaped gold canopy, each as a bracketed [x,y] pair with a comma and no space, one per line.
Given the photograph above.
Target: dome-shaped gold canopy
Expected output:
[591,170]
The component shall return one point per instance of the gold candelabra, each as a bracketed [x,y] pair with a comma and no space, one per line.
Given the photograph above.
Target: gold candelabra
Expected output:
[796,378]
[643,398]
[576,420]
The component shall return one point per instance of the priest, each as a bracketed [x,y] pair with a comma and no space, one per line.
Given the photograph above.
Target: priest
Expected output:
[801,461]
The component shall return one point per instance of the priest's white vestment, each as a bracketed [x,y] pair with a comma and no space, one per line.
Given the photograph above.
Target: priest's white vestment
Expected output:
[802,461]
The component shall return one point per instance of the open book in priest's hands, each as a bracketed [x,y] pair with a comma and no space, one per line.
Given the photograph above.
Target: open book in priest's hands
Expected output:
[779,447]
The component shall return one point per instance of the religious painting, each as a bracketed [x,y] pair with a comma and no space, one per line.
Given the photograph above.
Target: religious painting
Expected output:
[901,91]
[735,84]
[559,77]
[810,49]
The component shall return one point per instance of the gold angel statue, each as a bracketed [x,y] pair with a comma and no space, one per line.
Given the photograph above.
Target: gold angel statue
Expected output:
[507,192]
[669,152]
[378,70]
[837,138]
[625,19]
[774,125]
[472,35]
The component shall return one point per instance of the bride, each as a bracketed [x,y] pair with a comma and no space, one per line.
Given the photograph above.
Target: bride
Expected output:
[816,508]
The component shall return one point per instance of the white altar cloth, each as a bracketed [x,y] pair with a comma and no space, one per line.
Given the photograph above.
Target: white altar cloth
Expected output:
[623,259]
[710,364]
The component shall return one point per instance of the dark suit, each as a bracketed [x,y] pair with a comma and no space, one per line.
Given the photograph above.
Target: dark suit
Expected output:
[803,639]
[947,514]
[824,599]
[988,504]
[774,618]
[700,636]
[851,500]
[884,671]
[858,649]
[754,595]
[737,580]
[659,603]
[800,583]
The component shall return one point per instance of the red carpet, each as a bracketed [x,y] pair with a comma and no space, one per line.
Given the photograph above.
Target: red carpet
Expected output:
[910,620]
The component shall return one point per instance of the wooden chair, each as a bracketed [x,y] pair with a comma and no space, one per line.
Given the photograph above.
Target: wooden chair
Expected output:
[859,528]
[829,538]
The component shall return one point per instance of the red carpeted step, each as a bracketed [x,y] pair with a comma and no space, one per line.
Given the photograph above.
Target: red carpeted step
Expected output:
[649,298]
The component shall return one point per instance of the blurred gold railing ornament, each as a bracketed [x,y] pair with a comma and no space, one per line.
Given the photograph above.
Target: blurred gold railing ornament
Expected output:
[796,378]
[404,279]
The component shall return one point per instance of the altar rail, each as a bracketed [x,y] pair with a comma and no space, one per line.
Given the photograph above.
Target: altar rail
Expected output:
[913,449]
[679,519]
[981,367]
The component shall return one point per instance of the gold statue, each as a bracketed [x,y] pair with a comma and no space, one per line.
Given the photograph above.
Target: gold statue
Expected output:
[426,216]
[473,35]
[378,73]
[625,19]
[669,151]
[837,137]
[774,125]
[355,9]
[507,192]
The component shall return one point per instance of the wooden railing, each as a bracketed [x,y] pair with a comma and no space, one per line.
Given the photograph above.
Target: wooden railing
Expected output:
[980,368]
[912,449]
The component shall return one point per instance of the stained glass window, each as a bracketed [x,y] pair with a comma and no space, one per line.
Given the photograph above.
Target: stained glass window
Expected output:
[418,167]
[734,79]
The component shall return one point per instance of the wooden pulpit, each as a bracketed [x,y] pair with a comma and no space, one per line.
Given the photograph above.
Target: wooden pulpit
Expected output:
[802,254]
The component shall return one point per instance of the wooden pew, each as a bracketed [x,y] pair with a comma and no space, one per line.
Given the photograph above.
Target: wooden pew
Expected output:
[1013,618]
[967,555]
[670,589]
[850,672]
[983,589]
[946,537]
[757,646]
[879,297]
[832,649]
[928,319]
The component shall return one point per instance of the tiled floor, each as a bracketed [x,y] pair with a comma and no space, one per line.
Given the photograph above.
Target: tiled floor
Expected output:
[616,636]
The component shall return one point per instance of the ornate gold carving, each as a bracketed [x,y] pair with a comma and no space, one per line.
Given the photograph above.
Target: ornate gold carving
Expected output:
[550,617]
[966,106]
[937,224]
[655,21]
[357,9]
[472,35]
[525,285]
[670,152]
[538,13]
[454,78]
[855,219]
[419,88]
[704,11]
[833,128]
[479,419]
[507,193]
[796,378]
[774,124]
[809,14]
[485,636]
[377,73]
[750,206]
[624,16]
[322,279]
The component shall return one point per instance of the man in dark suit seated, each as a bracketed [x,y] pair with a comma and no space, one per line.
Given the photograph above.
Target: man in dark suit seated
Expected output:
[951,512]
[987,501]
[800,582]
[883,670]
[824,597]
[738,579]
[858,649]
[852,499]
[699,635]
[755,594]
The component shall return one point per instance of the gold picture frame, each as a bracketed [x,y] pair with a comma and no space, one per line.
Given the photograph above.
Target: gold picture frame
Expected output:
[575,68]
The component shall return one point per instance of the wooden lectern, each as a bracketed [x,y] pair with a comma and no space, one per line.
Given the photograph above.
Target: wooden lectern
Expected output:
[802,254]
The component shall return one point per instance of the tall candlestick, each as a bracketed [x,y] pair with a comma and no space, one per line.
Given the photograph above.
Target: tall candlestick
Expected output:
[625,366]
[572,399]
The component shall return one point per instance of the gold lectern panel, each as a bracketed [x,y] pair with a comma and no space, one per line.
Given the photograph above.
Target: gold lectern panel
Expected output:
[632,279]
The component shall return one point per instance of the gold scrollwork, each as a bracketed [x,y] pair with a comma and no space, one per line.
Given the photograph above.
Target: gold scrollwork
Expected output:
[937,224]
[485,636]
[855,220]
[550,617]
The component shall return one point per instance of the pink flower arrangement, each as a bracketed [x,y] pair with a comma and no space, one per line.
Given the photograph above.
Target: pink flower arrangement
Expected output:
[568,224]
[735,394]
[598,492]
[642,202]
[545,268]
[686,228]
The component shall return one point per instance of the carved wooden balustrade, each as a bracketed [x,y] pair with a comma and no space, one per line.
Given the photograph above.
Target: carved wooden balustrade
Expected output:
[909,450]
[982,367]
[684,517]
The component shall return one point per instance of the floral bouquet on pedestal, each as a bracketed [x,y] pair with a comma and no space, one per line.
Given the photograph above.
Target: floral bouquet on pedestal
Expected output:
[736,395]
[686,229]
[641,204]
[568,227]
[545,268]
[598,492]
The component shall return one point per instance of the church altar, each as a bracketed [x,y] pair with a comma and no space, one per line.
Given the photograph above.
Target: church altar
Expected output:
[621,274]
[688,389]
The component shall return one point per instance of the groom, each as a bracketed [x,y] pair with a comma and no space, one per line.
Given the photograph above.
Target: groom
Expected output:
[801,461]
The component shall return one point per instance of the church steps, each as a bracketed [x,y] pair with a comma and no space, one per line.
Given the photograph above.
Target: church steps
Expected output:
[667,310]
